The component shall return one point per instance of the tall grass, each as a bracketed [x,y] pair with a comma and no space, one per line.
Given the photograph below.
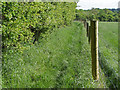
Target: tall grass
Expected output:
[61,60]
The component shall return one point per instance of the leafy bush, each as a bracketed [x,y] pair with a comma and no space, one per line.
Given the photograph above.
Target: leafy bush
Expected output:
[23,22]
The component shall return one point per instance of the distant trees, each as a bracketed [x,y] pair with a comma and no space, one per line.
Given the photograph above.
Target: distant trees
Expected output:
[99,14]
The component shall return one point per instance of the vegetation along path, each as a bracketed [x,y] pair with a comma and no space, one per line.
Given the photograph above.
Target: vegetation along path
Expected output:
[62,59]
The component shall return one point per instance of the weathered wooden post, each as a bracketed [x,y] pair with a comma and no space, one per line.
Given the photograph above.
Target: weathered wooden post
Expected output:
[94,49]
[85,21]
[87,28]
[85,24]
[89,34]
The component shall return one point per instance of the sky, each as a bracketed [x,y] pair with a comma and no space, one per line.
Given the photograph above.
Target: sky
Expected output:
[88,4]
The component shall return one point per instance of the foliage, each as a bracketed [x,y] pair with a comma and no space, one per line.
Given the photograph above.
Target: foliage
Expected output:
[61,60]
[23,22]
[96,13]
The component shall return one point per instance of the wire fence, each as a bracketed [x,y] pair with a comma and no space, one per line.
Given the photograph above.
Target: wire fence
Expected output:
[108,66]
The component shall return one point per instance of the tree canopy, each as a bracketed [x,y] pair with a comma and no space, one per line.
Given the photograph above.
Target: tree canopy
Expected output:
[99,14]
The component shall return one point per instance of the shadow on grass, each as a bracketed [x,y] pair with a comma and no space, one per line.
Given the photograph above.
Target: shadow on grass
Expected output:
[111,77]
[59,80]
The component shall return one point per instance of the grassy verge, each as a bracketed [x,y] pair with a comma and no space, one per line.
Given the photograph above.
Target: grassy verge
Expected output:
[60,60]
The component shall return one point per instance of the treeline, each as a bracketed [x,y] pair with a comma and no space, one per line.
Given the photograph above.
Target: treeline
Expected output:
[24,22]
[110,15]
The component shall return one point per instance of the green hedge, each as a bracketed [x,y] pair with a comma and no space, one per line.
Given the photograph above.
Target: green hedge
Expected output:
[23,22]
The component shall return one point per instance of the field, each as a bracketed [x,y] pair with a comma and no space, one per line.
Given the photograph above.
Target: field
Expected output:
[61,60]
[108,49]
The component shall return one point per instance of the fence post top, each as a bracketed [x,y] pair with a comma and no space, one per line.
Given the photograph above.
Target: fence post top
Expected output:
[94,20]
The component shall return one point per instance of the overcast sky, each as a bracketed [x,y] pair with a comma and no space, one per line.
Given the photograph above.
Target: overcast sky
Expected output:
[88,4]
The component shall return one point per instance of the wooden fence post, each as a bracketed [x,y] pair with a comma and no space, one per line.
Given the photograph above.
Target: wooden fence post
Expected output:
[89,34]
[84,23]
[87,28]
[94,49]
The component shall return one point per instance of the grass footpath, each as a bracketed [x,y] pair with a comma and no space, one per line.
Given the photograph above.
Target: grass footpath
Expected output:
[61,60]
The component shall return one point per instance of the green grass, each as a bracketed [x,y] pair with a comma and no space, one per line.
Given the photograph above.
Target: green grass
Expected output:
[108,46]
[60,60]
[0,62]
[0,76]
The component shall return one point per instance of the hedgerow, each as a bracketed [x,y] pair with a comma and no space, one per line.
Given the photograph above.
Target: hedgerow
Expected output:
[24,22]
